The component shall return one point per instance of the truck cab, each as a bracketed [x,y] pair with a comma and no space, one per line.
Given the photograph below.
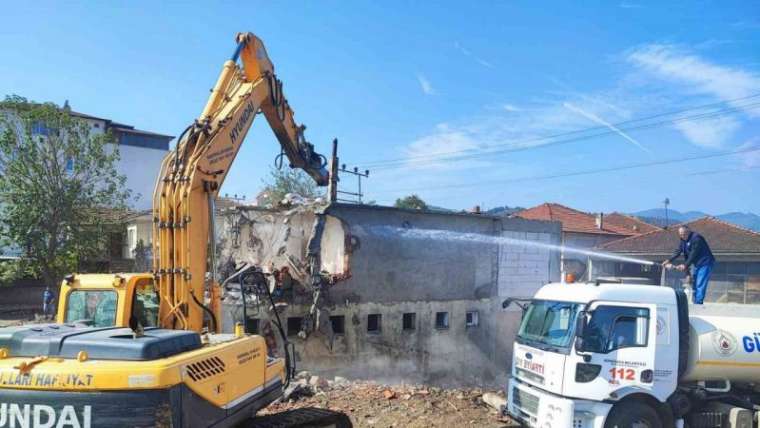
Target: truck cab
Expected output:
[585,354]
[105,300]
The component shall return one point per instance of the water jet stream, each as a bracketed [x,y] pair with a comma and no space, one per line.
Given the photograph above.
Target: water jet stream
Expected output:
[446,235]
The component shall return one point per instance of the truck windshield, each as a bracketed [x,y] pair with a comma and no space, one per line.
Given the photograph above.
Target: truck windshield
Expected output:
[547,324]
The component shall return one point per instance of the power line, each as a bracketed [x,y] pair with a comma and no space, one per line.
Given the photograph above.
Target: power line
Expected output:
[724,170]
[446,157]
[626,126]
[562,134]
[580,173]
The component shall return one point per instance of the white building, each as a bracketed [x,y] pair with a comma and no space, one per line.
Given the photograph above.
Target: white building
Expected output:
[141,153]
[140,156]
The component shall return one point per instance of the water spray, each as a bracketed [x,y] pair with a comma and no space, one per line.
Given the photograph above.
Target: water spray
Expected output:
[446,235]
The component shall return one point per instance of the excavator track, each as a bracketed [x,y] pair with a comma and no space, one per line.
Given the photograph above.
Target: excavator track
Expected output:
[307,417]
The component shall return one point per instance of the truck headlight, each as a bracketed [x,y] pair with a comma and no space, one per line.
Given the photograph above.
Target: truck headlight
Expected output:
[585,372]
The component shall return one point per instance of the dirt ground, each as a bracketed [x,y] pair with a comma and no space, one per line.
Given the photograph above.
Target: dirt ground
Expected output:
[370,404]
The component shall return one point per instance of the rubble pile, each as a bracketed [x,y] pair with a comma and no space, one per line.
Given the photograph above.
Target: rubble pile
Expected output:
[371,404]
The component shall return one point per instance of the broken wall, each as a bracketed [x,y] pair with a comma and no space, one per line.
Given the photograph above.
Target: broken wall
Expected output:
[452,289]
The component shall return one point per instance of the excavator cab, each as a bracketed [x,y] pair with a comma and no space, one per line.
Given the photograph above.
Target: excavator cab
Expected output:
[121,300]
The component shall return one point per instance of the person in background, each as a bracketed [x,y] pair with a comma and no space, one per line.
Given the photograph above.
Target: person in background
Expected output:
[696,253]
[48,298]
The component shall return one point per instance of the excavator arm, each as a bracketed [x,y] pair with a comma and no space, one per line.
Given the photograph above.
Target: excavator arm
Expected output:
[191,176]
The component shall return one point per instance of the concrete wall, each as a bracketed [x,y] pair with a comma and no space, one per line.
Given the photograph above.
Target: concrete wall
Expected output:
[22,300]
[410,262]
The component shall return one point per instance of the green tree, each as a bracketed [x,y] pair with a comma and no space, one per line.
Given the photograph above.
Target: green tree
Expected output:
[288,180]
[411,202]
[59,187]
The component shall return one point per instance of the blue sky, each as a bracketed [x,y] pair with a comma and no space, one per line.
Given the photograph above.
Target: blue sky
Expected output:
[411,87]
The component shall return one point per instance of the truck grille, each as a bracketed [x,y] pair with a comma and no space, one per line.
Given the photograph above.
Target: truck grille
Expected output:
[525,401]
[530,376]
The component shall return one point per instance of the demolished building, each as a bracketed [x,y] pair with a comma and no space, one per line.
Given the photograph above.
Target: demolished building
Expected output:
[383,293]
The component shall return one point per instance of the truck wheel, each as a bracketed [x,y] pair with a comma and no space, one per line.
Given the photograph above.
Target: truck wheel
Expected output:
[633,415]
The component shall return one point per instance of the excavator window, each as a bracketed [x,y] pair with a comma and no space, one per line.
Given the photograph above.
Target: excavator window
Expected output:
[145,305]
[96,308]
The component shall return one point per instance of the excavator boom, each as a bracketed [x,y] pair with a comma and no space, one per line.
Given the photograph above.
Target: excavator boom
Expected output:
[193,173]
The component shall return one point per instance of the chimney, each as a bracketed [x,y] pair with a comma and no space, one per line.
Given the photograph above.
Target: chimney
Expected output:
[475,209]
[600,221]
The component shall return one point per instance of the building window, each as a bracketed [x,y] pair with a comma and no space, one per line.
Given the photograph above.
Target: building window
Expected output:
[338,323]
[442,320]
[374,323]
[471,319]
[96,125]
[252,325]
[40,128]
[131,241]
[294,325]
[409,322]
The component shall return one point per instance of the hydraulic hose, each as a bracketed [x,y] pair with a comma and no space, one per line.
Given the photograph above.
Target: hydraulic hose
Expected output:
[207,310]
[290,365]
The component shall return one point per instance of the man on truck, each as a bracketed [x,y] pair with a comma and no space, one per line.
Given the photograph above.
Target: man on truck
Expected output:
[696,252]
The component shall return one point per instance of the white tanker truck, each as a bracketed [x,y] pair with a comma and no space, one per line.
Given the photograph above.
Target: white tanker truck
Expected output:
[607,355]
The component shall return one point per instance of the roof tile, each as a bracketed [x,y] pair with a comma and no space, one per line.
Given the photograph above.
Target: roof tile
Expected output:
[573,220]
[723,237]
[630,223]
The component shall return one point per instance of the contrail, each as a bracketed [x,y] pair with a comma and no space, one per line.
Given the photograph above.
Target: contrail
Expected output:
[599,120]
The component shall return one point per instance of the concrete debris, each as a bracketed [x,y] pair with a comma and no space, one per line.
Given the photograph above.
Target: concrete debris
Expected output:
[389,395]
[494,400]
[318,382]
[372,404]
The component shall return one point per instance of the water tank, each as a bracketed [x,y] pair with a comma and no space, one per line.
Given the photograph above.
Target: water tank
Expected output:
[724,343]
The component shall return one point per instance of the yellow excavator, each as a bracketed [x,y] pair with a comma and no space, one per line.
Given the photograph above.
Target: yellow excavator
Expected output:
[144,350]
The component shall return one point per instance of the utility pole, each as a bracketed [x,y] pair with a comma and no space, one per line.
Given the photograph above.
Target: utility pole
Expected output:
[359,175]
[332,188]
[666,202]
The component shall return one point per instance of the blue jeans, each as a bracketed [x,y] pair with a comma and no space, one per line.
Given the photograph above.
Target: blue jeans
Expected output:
[701,278]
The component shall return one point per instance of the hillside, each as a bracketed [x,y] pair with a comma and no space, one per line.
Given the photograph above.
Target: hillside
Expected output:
[657,217]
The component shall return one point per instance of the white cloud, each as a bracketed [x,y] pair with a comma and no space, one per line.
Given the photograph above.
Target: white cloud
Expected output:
[666,79]
[425,85]
[694,72]
[695,75]
[442,141]
[711,133]
[596,119]
[751,159]
[450,145]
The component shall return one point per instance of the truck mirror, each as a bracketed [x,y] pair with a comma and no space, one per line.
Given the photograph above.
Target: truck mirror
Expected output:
[516,300]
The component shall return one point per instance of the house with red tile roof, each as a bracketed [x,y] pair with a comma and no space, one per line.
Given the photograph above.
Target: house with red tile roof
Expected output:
[736,276]
[584,230]
[630,223]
